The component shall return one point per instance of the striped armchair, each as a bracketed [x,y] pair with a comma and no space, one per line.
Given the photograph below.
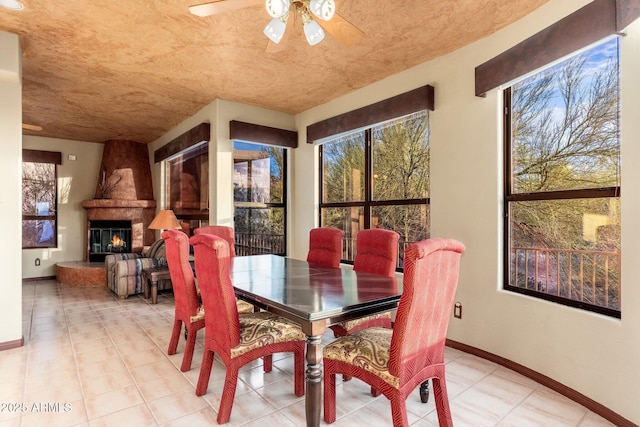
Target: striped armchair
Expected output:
[124,271]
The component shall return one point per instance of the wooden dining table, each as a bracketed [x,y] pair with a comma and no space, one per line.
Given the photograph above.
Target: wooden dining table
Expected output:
[315,297]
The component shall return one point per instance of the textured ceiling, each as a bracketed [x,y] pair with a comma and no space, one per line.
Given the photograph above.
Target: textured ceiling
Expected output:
[99,70]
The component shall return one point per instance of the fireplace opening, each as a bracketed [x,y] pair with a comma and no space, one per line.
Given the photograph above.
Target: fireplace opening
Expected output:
[107,237]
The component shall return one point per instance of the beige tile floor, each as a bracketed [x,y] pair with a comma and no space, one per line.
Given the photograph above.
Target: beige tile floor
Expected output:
[91,359]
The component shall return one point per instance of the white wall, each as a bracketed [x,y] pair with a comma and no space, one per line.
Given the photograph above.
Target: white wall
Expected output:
[593,354]
[77,181]
[10,190]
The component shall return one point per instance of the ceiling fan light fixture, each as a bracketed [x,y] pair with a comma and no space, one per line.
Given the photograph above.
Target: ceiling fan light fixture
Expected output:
[275,29]
[277,8]
[323,9]
[11,4]
[313,31]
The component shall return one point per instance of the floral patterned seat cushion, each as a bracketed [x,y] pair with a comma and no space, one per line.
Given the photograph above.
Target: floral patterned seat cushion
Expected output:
[367,349]
[243,307]
[263,328]
[352,324]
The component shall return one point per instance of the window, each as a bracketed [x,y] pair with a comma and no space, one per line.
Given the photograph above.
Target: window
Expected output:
[259,193]
[378,178]
[39,199]
[187,186]
[562,182]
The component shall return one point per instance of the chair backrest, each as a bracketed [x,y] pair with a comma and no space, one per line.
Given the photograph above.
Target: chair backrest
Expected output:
[182,279]
[221,231]
[376,251]
[325,246]
[431,270]
[213,268]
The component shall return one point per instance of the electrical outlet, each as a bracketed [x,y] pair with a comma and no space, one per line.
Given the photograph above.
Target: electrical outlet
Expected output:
[37,262]
[457,310]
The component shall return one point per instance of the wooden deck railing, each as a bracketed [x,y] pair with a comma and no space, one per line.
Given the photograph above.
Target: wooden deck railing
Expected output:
[592,277]
[258,244]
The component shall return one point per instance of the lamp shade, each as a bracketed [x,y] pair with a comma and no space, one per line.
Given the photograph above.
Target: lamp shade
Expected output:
[314,32]
[277,8]
[11,4]
[323,9]
[165,220]
[275,29]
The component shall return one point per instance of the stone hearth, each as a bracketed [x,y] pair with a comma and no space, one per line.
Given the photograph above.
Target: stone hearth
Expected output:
[78,273]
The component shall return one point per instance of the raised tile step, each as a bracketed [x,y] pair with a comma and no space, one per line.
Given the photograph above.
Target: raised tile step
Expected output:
[81,273]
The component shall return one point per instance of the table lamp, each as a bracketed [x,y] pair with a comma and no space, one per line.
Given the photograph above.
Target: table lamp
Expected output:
[165,220]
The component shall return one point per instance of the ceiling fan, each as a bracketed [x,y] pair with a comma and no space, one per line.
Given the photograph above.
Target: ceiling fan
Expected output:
[285,11]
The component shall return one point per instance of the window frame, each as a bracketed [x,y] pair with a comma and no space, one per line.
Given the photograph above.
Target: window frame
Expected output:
[510,196]
[368,204]
[203,215]
[44,157]
[268,205]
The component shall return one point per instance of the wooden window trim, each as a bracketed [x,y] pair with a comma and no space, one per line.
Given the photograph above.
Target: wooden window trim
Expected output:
[193,136]
[265,135]
[39,156]
[406,103]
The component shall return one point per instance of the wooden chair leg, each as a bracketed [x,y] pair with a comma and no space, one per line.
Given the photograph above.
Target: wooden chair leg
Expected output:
[298,372]
[424,392]
[228,394]
[188,350]
[399,411]
[329,398]
[205,372]
[442,402]
[267,362]
[175,336]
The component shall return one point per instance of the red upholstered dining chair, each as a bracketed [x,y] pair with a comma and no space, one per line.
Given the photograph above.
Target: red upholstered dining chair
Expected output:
[377,253]
[396,361]
[227,234]
[237,338]
[325,246]
[188,310]
[221,231]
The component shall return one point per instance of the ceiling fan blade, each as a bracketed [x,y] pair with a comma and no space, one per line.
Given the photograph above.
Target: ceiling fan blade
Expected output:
[221,6]
[342,30]
[31,127]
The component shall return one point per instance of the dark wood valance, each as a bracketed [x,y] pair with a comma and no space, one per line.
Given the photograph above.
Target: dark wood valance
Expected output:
[627,11]
[193,136]
[418,99]
[593,22]
[39,156]
[250,132]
